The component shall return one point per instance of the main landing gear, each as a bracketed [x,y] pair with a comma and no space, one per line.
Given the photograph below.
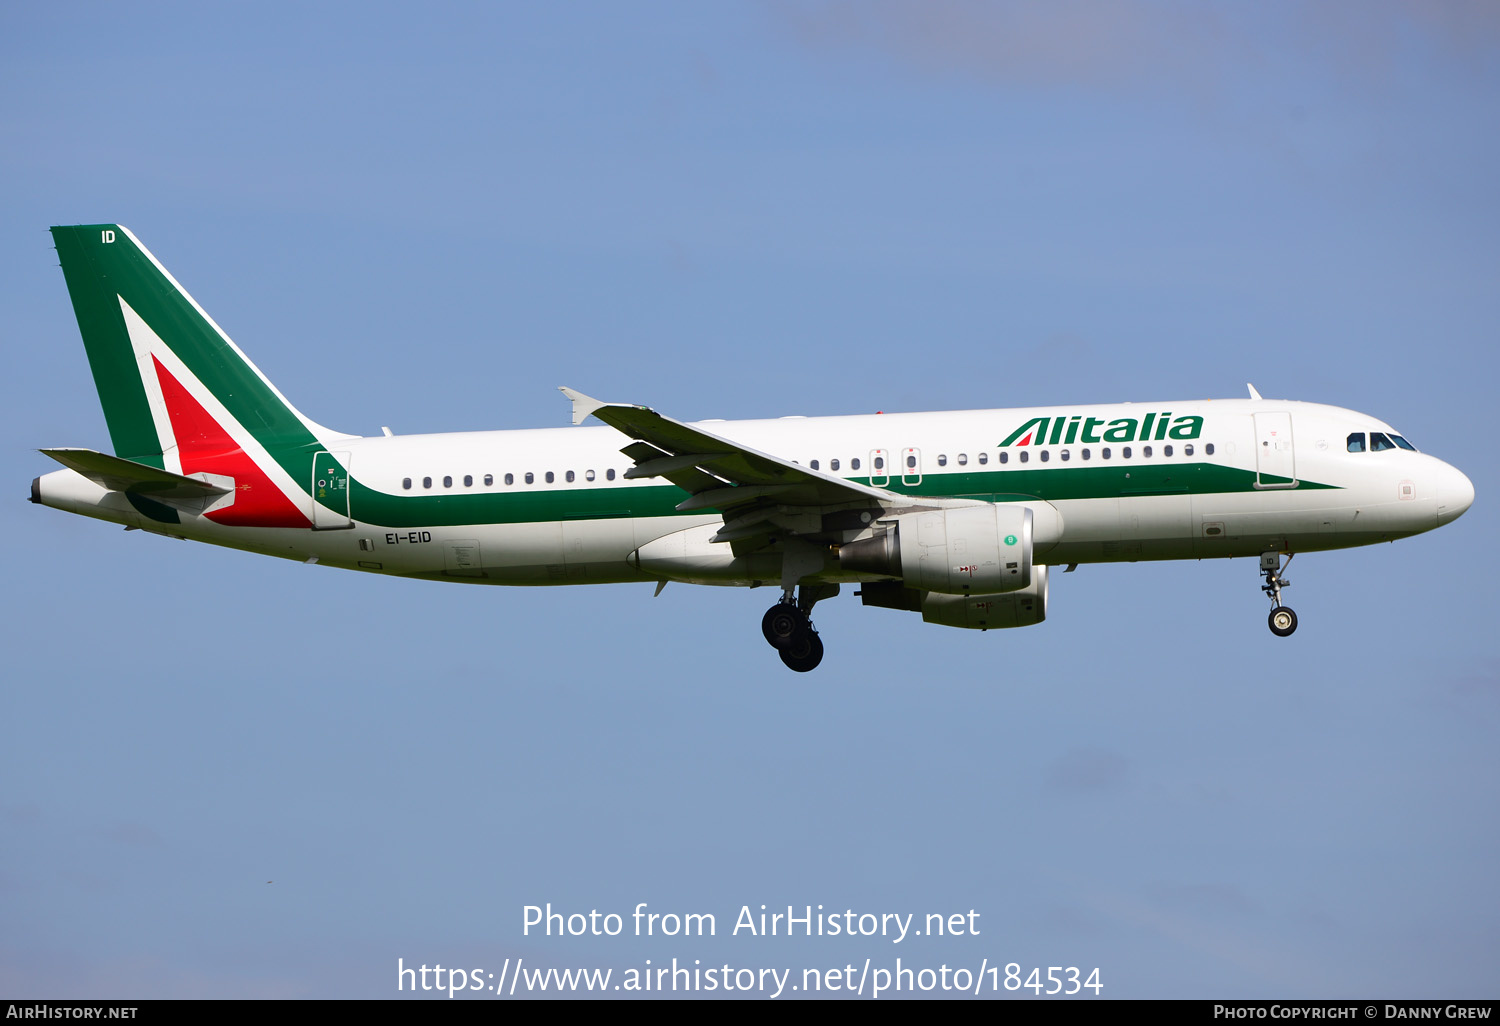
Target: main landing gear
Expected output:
[788,627]
[1282,620]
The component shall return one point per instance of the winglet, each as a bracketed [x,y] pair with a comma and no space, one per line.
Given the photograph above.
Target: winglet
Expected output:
[1253,393]
[582,405]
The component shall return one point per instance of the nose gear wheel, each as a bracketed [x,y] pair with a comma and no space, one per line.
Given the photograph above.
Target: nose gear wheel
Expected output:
[1282,621]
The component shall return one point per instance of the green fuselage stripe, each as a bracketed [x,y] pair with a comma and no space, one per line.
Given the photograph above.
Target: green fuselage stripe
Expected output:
[454,507]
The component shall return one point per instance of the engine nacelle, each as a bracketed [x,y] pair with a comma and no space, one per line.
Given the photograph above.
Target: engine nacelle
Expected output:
[989,612]
[974,550]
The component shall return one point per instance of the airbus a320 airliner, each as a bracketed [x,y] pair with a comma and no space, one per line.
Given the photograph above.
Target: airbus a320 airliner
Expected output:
[957,516]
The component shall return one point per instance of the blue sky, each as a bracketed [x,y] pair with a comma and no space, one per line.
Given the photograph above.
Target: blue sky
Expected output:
[431,219]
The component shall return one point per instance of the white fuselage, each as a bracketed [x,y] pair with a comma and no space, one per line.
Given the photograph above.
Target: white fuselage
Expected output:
[1240,487]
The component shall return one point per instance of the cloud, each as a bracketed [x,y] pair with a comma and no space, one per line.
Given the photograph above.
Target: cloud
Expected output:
[1088,771]
[1058,42]
[1186,47]
[58,974]
[1478,688]
[1206,900]
[132,833]
[23,815]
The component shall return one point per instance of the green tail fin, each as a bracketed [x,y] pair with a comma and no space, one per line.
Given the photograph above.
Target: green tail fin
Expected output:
[141,329]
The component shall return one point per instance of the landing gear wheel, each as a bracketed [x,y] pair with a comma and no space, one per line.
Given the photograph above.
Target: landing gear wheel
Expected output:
[782,624]
[1283,621]
[803,653]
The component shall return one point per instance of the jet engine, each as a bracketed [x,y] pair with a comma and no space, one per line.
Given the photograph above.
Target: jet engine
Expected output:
[973,550]
[983,612]
[1020,608]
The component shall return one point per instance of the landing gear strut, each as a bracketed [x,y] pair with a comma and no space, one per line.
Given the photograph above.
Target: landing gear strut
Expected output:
[1282,620]
[788,627]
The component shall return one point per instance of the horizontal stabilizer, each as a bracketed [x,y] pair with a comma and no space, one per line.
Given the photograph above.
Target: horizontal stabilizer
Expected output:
[120,475]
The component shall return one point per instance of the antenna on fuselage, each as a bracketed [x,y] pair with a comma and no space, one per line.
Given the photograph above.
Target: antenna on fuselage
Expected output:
[1253,393]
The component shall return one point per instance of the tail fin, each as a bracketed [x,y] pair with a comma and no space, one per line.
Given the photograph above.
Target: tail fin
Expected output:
[177,393]
[136,322]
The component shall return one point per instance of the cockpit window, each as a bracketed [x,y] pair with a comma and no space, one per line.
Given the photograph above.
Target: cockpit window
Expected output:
[1379,442]
[1403,443]
[1357,442]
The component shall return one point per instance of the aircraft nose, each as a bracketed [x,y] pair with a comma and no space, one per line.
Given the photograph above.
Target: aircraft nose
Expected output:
[1455,494]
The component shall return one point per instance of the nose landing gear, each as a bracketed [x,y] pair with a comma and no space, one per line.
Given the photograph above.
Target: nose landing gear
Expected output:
[788,628]
[1282,620]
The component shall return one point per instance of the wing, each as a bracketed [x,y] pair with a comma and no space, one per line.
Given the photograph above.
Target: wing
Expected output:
[759,495]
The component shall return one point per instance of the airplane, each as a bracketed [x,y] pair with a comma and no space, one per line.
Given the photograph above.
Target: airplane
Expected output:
[957,516]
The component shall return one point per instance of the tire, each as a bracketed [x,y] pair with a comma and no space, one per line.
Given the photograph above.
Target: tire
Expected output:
[782,623]
[1282,621]
[804,653]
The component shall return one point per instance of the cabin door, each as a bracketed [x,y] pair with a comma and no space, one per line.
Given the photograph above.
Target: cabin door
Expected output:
[1275,462]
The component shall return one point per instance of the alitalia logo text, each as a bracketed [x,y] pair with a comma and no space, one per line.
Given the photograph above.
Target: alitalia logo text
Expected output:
[1061,430]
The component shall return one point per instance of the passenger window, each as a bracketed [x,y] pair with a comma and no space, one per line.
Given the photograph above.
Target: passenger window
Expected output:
[447,481]
[942,460]
[588,475]
[569,477]
[813,464]
[1187,450]
[1064,455]
[489,479]
[406,483]
[1166,450]
[833,464]
[550,477]
[1209,448]
[1085,454]
[1025,455]
[1004,457]
[911,463]
[1380,443]
[468,480]
[984,458]
[1104,453]
[963,459]
[1146,451]
[879,462]
[1357,442]
[510,479]
[1125,452]
[854,463]
[530,477]
[1046,455]
[609,475]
